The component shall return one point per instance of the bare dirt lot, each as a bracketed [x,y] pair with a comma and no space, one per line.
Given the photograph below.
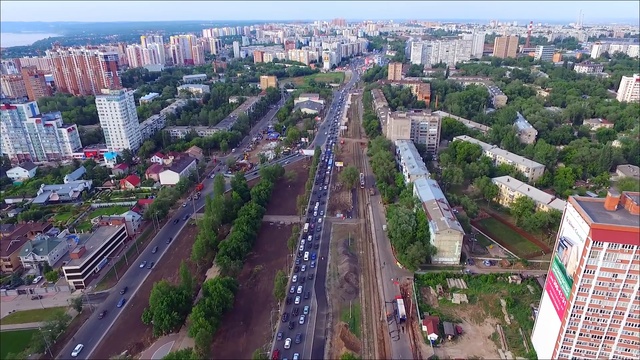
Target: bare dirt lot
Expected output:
[341,198]
[285,193]
[128,332]
[247,327]
[343,283]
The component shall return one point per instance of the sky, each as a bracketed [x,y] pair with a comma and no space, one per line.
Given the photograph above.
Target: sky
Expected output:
[100,11]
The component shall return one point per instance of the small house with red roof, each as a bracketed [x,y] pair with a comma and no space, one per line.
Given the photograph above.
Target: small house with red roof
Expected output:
[153,172]
[120,170]
[130,182]
[430,326]
[157,158]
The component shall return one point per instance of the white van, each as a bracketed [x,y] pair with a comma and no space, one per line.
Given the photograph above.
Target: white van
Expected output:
[317,205]
[306,256]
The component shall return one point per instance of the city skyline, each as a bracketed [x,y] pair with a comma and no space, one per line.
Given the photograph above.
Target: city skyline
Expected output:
[538,11]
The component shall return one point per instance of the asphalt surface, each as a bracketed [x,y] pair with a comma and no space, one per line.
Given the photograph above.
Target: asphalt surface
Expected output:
[313,330]
[94,330]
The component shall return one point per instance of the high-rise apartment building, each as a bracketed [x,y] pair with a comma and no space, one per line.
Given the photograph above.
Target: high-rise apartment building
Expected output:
[629,89]
[154,43]
[198,54]
[420,126]
[590,306]
[28,135]
[84,71]
[119,119]
[258,56]
[394,72]
[215,45]
[236,49]
[35,83]
[186,42]
[505,46]
[13,86]
[268,81]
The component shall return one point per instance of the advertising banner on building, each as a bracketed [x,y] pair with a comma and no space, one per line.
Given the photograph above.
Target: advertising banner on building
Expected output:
[564,263]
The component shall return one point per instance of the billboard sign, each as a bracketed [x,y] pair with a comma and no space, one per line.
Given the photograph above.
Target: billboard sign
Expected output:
[565,261]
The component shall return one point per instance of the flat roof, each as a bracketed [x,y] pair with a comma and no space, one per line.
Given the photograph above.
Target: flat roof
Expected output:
[535,194]
[501,152]
[594,208]
[435,205]
[411,158]
[93,243]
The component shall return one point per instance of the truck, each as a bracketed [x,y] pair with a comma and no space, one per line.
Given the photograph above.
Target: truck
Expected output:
[199,187]
[361,180]
[402,313]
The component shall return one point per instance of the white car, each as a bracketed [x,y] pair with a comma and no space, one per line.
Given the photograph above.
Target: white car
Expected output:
[294,278]
[287,343]
[299,289]
[37,279]
[77,350]
[297,300]
[303,268]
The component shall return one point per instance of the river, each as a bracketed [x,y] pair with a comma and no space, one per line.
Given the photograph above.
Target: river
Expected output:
[22,39]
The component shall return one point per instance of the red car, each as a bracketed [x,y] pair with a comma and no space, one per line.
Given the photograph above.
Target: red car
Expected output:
[276,354]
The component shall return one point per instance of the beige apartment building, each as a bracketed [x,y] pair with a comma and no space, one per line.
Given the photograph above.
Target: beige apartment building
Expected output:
[394,71]
[268,81]
[420,126]
[512,189]
[505,46]
[529,168]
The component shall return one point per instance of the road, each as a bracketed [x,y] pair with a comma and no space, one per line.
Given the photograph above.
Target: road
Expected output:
[312,329]
[94,330]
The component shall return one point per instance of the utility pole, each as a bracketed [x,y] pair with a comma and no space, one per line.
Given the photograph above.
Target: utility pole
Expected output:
[45,341]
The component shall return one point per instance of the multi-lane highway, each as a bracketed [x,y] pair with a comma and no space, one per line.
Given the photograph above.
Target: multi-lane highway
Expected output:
[300,333]
[94,329]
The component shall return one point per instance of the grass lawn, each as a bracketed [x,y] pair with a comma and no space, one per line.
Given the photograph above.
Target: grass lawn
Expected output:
[498,230]
[30,316]
[353,318]
[14,341]
[111,210]
[84,226]
[62,216]
[483,240]
[332,77]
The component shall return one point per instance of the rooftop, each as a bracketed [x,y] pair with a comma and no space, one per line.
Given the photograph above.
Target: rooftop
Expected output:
[412,161]
[535,194]
[179,165]
[228,122]
[308,104]
[495,150]
[629,170]
[41,246]
[436,206]
[93,243]
[521,123]
[594,209]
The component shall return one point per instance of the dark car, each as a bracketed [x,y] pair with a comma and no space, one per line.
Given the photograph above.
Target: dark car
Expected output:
[296,311]
[121,302]
[155,250]
[169,239]
[302,279]
[123,290]
[298,261]
[176,221]
[186,217]
[316,246]
[292,324]
[102,314]
[298,339]
[280,336]
[307,295]
[285,317]
[288,300]
[299,254]
[296,269]
[150,266]
[36,297]
[310,277]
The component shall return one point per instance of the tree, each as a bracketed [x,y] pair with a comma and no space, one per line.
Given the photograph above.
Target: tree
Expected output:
[76,303]
[52,276]
[280,285]
[487,188]
[522,207]
[182,354]
[350,176]
[186,279]
[239,185]
[168,307]
[605,135]
[452,176]
[290,176]
[127,156]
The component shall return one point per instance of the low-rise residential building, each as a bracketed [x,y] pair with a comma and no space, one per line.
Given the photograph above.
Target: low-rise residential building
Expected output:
[420,89]
[12,238]
[120,169]
[43,249]
[529,168]
[420,126]
[308,97]
[180,169]
[588,67]
[195,89]
[410,162]
[92,254]
[149,98]
[244,109]
[153,172]
[180,132]
[188,79]
[526,132]
[511,188]
[380,105]
[498,98]
[446,233]
[75,175]
[130,182]
[195,152]
[597,123]
[152,125]
[468,123]
[628,170]
[26,170]
[174,107]
[58,193]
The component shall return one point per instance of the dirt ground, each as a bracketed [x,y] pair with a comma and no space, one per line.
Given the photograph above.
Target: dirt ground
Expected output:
[247,327]
[128,332]
[285,194]
[477,326]
[341,200]
[343,286]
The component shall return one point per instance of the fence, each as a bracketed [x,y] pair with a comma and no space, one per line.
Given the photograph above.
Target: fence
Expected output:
[120,203]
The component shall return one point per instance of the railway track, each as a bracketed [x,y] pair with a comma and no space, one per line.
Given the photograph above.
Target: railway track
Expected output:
[373,343]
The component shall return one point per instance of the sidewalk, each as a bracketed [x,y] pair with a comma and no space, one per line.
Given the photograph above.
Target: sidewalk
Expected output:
[26,326]
[24,302]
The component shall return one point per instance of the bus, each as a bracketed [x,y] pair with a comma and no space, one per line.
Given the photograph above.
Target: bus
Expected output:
[361,181]
[306,228]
